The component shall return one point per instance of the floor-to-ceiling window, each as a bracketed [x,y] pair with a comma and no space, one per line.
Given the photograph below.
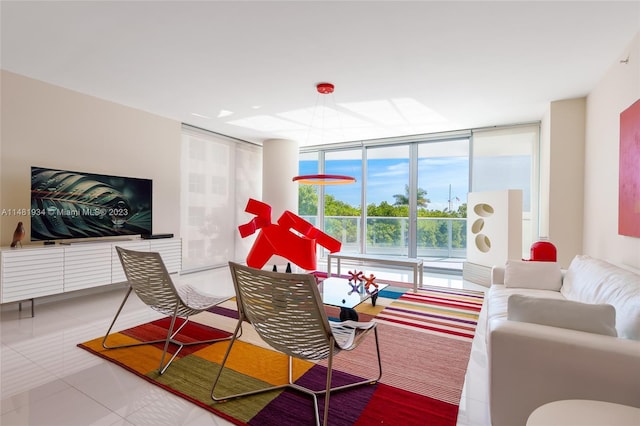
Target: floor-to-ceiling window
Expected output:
[443,184]
[343,203]
[387,200]
[415,190]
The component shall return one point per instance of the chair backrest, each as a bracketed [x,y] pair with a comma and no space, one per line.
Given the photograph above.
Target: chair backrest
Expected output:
[285,309]
[149,279]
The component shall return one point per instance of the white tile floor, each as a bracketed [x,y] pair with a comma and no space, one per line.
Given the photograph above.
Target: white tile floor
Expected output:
[47,381]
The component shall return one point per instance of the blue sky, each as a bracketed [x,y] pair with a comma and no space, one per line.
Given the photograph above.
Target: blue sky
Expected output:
[386,177]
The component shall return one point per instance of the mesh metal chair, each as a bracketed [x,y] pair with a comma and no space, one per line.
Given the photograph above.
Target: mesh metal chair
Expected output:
[286,311]
[147,276]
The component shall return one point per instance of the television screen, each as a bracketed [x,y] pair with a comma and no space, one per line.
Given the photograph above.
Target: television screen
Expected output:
[67,204]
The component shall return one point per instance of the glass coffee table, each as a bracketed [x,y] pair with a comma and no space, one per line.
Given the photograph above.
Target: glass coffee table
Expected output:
[346,295]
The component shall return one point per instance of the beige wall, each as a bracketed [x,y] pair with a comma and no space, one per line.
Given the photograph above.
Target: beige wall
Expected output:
[544,175]
[565,188]
[619,88]
[49,126]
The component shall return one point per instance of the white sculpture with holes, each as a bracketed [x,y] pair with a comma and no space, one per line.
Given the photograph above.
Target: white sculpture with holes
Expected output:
[494,232]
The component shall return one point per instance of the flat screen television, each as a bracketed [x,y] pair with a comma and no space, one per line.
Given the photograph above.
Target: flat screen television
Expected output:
[68,205]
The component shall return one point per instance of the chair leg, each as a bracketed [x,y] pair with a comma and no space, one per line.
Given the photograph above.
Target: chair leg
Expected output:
[170,339]
[224,361]
[104,341]
[328,388]
[170,335]
[236,334]
[367,381]
[115,318]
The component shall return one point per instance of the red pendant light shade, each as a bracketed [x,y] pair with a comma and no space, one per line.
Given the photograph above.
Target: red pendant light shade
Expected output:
[325,88]
[324,179]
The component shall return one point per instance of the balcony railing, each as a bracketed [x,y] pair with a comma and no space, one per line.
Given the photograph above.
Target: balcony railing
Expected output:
[436,236]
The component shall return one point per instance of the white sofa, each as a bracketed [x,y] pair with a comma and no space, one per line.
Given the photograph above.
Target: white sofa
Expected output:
[571,334]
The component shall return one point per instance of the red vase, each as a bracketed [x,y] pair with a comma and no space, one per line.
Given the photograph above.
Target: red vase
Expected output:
[543,251]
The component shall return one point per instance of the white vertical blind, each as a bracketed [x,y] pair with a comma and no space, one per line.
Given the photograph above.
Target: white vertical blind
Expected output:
[218,176]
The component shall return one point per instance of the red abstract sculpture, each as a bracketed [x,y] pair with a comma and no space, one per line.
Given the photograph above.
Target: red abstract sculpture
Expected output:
[277,238]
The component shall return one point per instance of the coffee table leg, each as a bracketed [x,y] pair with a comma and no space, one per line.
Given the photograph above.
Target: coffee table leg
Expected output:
[374,298]
[348,314]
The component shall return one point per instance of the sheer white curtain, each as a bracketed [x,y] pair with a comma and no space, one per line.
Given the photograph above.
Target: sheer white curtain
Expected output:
[218,176]
[508,158]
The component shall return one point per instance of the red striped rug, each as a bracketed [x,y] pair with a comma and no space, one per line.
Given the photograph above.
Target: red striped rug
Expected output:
[424,365]
[436,310]
[427,338]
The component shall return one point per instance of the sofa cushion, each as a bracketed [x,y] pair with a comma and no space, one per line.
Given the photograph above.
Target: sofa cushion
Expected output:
[498,296]
[534,275]
[592,318]
[591,280]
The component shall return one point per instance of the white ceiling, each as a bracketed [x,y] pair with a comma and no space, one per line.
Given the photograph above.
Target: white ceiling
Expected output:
[250,68]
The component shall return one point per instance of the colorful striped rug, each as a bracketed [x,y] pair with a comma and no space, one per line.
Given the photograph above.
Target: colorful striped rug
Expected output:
[425,340]
[435,310]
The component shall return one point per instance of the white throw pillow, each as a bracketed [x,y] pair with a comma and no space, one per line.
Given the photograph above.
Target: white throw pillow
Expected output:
[592,318]
[531,274]
[592,280]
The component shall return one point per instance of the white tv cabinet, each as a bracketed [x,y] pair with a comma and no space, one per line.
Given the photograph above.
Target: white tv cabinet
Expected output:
[36,271]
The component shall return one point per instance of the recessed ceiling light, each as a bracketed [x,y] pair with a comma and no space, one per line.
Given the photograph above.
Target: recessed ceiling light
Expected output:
[200,115]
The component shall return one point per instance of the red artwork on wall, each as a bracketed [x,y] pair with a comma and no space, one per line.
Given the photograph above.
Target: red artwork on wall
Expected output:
[629,183]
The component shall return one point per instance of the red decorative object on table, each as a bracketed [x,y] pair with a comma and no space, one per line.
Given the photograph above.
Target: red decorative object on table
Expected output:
[356,275]
[369,282]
